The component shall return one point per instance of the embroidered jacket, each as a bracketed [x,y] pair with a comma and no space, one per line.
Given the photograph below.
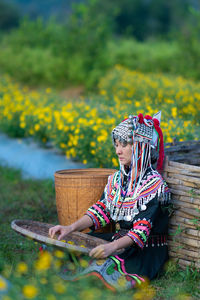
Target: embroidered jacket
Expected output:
[138,210]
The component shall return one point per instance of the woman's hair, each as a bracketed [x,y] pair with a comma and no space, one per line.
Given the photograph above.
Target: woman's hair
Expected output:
[154,157]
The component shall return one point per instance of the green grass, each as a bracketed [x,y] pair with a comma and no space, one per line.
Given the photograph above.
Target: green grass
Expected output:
[35,200]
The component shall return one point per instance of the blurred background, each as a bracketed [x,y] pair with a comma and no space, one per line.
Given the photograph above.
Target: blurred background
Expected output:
[79,40]
[71,70]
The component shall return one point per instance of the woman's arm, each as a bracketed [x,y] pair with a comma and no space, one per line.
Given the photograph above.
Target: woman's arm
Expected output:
[79,225]
[103,251]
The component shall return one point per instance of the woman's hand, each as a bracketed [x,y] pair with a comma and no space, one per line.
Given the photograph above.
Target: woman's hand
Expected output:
[63,230]
[102,251]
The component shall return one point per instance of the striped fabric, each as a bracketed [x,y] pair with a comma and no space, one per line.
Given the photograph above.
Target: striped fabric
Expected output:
[99,215]
[140,232]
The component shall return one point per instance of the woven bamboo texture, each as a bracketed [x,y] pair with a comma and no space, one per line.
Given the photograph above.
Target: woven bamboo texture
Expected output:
[187,152]
[76,241]
[184,228]
[78,189]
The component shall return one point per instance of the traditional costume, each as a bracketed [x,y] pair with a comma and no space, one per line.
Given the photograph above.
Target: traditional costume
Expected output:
[135,200]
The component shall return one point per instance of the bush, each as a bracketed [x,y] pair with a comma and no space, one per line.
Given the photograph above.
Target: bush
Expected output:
[189,45]
[51,53]
[151,56]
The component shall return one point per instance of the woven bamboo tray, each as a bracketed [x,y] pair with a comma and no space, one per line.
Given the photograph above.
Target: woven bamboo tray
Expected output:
[184,239]
[78,189]
[76,241]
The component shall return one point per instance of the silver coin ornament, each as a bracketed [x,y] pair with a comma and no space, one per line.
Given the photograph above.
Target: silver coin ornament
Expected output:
[128,218]
[143,207]
[136,211]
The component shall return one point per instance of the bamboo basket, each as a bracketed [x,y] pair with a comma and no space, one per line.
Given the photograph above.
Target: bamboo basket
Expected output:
[78,189]
[184,228]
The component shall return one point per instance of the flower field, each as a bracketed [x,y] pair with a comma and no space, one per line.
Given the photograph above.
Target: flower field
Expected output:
[81,128]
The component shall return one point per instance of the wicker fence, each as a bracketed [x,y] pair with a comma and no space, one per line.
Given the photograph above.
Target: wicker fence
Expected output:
[187,152]
[184,229]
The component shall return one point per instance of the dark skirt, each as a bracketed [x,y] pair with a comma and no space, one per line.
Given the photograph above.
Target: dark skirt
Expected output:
[124,270]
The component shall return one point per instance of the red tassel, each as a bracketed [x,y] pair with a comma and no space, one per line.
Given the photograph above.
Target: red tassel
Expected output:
[161,145]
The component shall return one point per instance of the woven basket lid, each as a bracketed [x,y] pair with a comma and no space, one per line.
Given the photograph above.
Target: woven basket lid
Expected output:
[76,241]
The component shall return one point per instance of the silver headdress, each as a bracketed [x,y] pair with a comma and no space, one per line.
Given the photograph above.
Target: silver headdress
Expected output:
[145,130]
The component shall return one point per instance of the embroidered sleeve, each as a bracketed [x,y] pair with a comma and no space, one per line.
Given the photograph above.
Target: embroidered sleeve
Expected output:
[99,214]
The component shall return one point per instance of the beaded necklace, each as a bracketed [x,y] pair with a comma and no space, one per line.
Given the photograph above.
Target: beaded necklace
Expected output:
[123,196]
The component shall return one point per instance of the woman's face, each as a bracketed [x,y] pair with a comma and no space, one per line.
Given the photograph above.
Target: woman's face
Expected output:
[124,153]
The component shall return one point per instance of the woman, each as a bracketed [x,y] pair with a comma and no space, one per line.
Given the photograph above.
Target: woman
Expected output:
[135,199]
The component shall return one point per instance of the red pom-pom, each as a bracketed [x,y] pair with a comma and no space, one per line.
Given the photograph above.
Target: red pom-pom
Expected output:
[141,118]
[147,117]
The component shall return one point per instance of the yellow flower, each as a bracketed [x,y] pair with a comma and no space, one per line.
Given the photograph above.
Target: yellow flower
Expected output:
[100,262]
[37,127]
[44,261]
[115,162]
[137,103]
[59,254]
[62,145]
[147,293]
[122,281]
[70,242]
[22,268]
[48,90]
[59,287]
[85,161]
[174,112]
[83,263]
[102,92]
[92,144]
[101,138]
[22,124]
[3,284]
[30,291]
[43,280]
[88,294]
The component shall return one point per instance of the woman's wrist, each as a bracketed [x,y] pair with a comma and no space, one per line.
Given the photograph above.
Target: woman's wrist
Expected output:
[73,227]
[115,245]
[122,242]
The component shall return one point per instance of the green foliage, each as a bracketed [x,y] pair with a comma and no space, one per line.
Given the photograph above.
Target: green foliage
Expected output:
[56,54]
[151,56]
[189,45]
[9,16]
[81,51]
[34,66]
